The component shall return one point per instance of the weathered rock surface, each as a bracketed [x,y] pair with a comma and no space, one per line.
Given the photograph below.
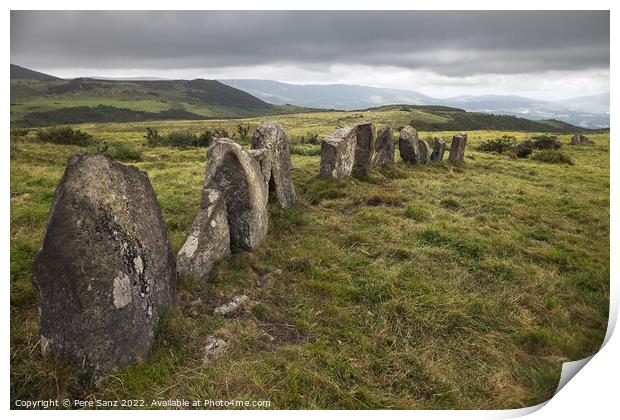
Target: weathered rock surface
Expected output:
[409,145]
[364,147]
[457,148]
[425,151]
[237,175]
[214,348]
[270,135]
[439,148]
[233,306]
[384,147]
[264,159]
[338,153]
[209,238]
[105,269]
[580,139]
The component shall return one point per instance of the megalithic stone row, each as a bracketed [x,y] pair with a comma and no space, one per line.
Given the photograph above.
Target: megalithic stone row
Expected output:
[409,145]
[439,148]
[270,135]
[425,151]
[384,147]
[457,148]
[338,153]
[209,238]
[237,175]
[264,159]
[105,269]
[364,147]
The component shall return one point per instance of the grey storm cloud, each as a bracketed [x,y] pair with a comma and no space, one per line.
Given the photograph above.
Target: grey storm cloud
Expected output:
[446,43]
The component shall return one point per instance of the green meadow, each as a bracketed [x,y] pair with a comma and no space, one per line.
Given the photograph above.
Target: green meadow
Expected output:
[418,287]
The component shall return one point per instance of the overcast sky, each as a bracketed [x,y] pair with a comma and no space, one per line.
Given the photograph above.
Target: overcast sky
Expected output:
[540,54]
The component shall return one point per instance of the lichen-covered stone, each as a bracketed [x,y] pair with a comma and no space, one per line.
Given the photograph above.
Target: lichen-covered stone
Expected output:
[105,268]
[338,153]
[409,145]
[578,139]
[209,238]
[457,148]
[439,148]
[237,175]
[425,152]
[364,147]
[264,159]
[270,135]
[384,147]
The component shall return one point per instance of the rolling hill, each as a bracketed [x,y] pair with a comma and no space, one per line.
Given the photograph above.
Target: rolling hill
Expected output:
[18,72]
[587,111]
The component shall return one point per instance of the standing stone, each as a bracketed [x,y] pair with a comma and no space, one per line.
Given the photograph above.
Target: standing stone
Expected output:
[425,151]
[105,269]
[338,153]
[409,145]
[580,139]
[237,175]
[264,159]
[364,147]
[439,148]
[384,147]
[270,135]
[209,239]
[457,149]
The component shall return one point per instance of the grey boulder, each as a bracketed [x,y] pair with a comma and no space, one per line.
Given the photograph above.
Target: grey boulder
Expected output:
[338,153]
[209,238]
[384,147]
[425,152]
[409,145]
[237,175]
[105,269]
[264,159]
[270,135]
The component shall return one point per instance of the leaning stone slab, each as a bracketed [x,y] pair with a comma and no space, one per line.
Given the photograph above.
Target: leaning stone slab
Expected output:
[364,147]
[105,268]
[409,145]
[264,159]
[209,239]
[439,148]
[425,152]
[270,135]
[237,175]
[338,153]
[384,147]
[457,148]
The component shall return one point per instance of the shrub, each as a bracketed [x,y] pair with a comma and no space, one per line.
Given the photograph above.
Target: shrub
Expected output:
[119,151]
[499,145]
[305,150]
[205,139]
[524,149]
[243,131]
[545,142]
[19,132]
[152,137]
[310,138]
[64,135]
[553,156]
[180,139]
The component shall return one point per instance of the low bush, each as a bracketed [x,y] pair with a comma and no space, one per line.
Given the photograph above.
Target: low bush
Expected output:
[64,135]
[545,142]
[524,149]
[499,145]
[184,138]
[553,156]
[305,150]
[120,151]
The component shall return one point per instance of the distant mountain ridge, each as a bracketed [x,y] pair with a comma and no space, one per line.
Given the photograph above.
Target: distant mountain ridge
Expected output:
[22,73]
[588,111]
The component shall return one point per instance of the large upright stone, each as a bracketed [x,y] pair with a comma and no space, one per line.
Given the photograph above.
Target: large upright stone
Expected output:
[580,139]
[237,175]
[384,147]
[209,238]
[338,153]
[270,135]
[457,148]
[105,268]
[364,147]
[409,145]
[425,151]
[439,148]
[264,159]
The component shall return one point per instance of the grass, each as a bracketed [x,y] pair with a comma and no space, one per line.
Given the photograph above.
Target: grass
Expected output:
[414,287]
